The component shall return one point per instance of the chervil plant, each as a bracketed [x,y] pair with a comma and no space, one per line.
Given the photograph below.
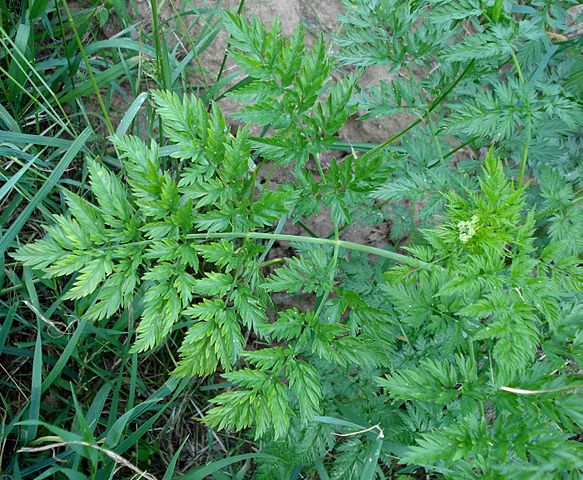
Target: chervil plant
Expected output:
[457,348]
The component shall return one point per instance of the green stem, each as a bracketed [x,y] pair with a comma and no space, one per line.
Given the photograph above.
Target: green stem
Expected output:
[320,169]
[158,45]
[89,71]
[517,66]
[160,64]
[433,132]
[14,288]
[319,241]
[524,154]
[544,213]
[528,129]
[333,271]
[453,151]
[498,9]
[431,107]
[307,229]
[71,76]
[273,261]
[278,229]
[379,252]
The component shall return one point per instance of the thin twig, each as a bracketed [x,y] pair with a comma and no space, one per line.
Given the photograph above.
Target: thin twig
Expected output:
[364,430]
[114,456]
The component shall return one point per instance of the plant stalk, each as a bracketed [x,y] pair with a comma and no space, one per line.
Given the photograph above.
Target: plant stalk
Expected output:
[431,107]
[379,252]
[89,71]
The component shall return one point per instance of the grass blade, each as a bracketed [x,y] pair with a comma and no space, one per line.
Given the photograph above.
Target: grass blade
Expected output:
[64,357]
[88,66]
[129,116]
[96,408]
[35,393]
[172,466]
[37,8]
[43,191]
[321,469]
[371,462]
[101,78]
[14,179]
[201,473]
[8,121]
[26,138]
[5,328]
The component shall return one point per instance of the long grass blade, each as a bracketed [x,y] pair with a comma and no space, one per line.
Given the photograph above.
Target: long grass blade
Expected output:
[29,139]
[371,462]
[201,473]
[172,465]
[45,189]
[8,120]
[13,180]
[65,355]
[131,113]
[35,393]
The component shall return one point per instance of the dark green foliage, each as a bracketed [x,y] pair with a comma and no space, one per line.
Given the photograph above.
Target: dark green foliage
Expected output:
[498,303]
[460,359]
